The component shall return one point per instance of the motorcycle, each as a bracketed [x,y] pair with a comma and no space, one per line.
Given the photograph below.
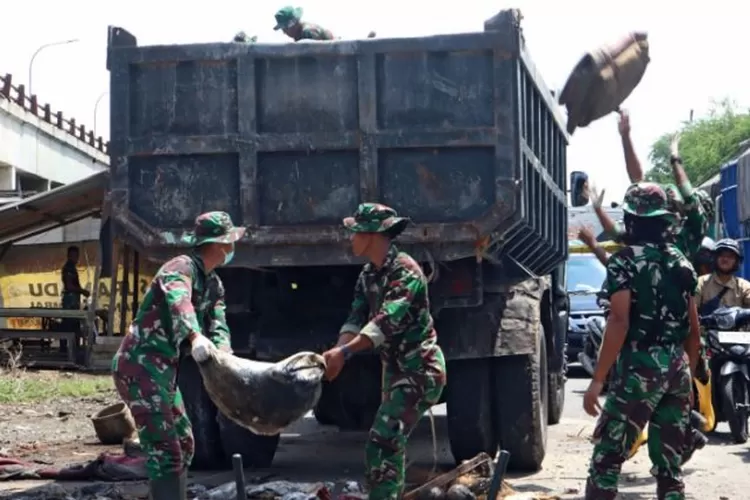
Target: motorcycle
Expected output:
[729,357]
[595,333]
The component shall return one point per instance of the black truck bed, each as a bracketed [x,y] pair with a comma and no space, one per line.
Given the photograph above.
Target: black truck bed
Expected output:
[456,131]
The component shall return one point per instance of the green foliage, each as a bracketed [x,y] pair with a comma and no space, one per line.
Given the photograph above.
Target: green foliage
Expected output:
[706,144]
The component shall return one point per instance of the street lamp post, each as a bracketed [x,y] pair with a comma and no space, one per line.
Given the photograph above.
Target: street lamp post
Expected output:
[41,48]
[96,107]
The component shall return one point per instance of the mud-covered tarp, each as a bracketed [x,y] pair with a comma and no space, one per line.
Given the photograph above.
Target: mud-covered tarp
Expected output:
[106,467]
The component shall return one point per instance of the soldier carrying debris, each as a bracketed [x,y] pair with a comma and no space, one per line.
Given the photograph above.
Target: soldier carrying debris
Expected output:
[390,312]
[289,20]
[185,295]
[651,326]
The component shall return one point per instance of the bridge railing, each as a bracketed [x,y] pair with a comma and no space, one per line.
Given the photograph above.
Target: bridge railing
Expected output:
[30,103]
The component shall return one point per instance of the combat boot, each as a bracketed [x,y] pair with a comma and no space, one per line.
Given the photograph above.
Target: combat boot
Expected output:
[169,488]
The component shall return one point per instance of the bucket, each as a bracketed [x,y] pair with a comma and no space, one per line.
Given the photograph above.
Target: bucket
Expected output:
[113,424]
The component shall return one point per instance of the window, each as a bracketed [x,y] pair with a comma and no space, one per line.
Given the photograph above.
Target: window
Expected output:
[585,273]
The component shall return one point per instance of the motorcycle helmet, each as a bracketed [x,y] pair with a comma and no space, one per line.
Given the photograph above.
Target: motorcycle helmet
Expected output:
[704,258]
[730,245]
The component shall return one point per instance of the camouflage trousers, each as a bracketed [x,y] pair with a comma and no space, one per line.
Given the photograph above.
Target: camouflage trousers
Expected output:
[405,399]
[158,411]
[644,393]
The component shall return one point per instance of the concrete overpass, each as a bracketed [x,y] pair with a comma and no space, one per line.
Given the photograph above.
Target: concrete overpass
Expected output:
[40,148]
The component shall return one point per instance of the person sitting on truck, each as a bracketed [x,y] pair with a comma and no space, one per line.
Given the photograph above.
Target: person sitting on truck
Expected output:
[652,324]
[723,288]
[185,296]
[72,292]
[289,20]
[390,312]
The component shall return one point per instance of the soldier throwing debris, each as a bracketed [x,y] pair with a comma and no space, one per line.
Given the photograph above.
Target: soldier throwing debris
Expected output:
[651,326]
[289,20]
[390,311]
[185,295]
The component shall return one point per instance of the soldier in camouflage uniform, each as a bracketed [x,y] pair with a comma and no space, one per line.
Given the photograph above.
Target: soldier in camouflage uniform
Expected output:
[390,312]
[694,207]
[289,20]
[651,286]
[185,299]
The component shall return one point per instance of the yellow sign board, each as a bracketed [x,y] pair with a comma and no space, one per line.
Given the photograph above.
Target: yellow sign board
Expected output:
[30,277]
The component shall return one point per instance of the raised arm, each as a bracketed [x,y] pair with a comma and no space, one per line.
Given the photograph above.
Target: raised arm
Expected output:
[632,163]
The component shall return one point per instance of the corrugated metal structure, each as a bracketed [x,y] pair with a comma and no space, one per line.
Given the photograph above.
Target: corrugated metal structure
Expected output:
[736,224]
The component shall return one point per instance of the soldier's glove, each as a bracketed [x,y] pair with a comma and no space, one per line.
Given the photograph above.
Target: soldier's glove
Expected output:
[597,197]
[201,349]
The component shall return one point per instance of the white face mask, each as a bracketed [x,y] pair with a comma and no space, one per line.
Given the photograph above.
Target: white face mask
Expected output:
[228,256]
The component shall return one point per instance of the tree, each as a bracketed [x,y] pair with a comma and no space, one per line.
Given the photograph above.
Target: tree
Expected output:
[706,144]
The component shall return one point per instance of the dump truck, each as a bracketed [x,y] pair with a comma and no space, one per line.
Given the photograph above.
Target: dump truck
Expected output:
[457,132]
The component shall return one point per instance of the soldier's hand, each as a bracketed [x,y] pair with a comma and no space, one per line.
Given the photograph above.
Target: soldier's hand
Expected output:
[591,403]
[674,147]
[597,197]
[201,349]
[86,293]
[623,124]
[334,359]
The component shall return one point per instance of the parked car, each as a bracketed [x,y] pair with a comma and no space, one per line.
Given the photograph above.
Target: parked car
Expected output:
[585,276]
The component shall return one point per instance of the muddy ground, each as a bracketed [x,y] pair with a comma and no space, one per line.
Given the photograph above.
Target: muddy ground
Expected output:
[59,432]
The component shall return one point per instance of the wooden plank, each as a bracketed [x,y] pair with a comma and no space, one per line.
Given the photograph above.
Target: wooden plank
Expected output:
[41,312]
[36,334]
[443,479]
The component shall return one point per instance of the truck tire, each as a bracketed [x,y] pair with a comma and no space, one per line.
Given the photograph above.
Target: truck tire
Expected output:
[469,406]
[256,450]
[352,399]
[556,398]
[521,401]
[209,454]
[330,409]
[734,390]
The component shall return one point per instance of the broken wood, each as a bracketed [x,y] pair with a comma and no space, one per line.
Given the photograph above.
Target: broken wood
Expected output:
[442,480]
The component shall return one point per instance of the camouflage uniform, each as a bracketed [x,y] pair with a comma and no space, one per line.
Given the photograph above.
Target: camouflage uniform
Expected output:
[182,300]
[289,16]
[391,306]
[652,372]
[694,226]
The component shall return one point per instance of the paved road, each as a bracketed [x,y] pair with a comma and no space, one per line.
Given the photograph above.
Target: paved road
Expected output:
[310,452]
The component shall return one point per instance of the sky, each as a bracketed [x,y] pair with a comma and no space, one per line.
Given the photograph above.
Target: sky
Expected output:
[692,48]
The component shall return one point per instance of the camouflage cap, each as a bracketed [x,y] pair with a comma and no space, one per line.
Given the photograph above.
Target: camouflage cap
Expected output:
[287,16]
[646,199]
[673,195]
[376,218]
[706,202]
[214,227]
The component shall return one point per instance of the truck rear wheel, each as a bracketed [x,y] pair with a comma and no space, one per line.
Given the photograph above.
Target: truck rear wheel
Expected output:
[521,399]
[556,398]
[209,454]
[469,407]
[352,399]
[256,450]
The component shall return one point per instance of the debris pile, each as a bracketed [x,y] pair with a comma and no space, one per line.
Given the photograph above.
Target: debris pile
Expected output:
[475,479]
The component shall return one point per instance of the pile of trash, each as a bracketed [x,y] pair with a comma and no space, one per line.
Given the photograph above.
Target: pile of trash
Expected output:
[480,478]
